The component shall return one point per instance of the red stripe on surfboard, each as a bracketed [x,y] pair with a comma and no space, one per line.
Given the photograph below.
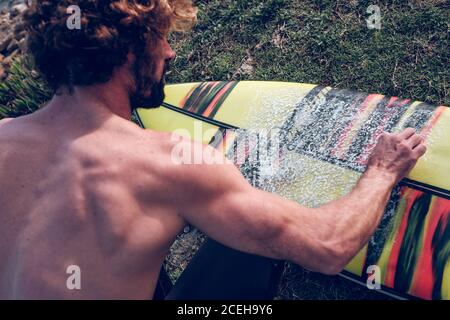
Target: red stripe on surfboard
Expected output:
[410,196]
[424,279]
[349,127]
[213,103]
[432,122]
[392,106]
[186,97]
[205,89]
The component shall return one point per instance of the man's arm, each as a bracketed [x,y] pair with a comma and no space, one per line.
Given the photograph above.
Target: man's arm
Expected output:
[220,202]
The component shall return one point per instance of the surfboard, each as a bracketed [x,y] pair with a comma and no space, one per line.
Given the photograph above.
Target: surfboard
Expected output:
[310,144]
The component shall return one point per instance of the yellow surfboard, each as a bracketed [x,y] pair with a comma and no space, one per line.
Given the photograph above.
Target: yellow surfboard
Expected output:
[310,144]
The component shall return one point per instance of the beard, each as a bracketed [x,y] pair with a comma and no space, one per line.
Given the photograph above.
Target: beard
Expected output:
[149,93]
[143,99]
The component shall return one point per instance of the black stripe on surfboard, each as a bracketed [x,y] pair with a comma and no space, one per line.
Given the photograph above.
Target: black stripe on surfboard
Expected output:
[413,184]
[200,117]
[443,193]
[384,290]
[136,115]
[190,115]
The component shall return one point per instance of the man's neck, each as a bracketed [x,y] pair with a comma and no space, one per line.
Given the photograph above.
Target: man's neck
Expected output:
[88,107]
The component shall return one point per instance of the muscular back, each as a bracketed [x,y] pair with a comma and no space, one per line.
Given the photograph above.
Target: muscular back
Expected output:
[94,198]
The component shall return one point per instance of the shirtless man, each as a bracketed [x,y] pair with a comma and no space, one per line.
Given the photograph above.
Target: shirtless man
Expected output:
[82,185]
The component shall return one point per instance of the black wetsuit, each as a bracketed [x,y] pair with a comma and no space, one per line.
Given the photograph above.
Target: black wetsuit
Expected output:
[219,273]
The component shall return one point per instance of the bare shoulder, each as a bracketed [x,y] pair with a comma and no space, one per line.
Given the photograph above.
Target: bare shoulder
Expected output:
[4,121]
[176,150]
[187,167]
[6,132]
[14,125]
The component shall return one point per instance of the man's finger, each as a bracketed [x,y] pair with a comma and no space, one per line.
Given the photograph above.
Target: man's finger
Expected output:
[407,133]
[414,141]
[420,150]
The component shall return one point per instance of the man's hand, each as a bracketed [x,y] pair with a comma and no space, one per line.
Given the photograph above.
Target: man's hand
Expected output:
[396,154]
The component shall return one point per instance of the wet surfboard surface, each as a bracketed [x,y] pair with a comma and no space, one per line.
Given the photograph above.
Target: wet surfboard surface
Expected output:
[310,144]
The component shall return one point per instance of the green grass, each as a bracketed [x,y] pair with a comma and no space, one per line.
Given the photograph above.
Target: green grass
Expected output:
[300,284]
[313,41]
[325,42]
[23,92]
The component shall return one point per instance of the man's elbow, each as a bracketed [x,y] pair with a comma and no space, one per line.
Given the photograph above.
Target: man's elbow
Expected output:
[335,259]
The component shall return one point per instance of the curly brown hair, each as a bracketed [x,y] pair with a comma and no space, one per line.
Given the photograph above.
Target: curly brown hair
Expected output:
[110,29]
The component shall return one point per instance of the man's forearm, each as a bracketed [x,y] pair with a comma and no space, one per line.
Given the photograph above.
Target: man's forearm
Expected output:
[326,238]
[357,215]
